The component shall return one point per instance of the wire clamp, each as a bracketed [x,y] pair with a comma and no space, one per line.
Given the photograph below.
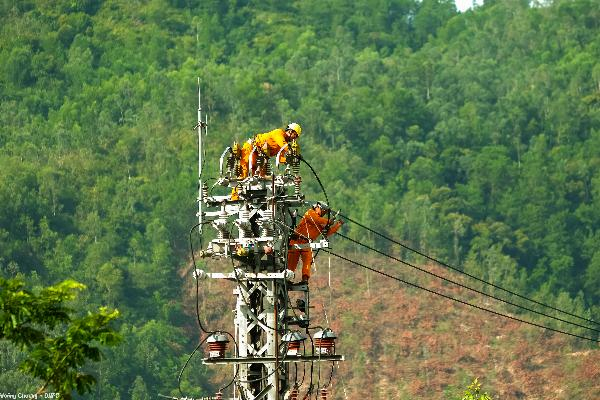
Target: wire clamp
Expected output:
[199,274]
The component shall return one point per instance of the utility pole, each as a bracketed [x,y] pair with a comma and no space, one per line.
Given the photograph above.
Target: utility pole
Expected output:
[272,315]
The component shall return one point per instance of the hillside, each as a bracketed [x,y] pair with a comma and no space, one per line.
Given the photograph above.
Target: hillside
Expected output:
[471,136]
[403,343]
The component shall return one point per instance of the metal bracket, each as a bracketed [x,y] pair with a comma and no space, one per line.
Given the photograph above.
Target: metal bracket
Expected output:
[263,392]
[322,244]
[271,360]
[254,276]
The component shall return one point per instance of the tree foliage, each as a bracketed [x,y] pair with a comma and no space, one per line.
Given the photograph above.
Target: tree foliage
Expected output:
[472,136]
[58,344]
[473,392]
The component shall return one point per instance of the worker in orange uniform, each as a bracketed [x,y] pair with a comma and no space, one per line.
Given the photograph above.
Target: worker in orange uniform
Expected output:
[309,228]
[270,144]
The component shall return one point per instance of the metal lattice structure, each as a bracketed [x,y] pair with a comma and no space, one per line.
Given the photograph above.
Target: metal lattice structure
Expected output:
[252,229]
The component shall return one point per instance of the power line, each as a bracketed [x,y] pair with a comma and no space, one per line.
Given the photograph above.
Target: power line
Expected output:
[458,300]
[456,283]
[467,274]
[462,272]
[318,179]
[453,298]
[464,286]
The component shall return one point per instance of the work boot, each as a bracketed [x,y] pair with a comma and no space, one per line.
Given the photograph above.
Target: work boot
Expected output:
[289,275]
[305,279]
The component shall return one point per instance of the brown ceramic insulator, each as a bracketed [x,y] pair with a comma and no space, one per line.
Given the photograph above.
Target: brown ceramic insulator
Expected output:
[293,347]
[325,345]
[323,394]
[217,349]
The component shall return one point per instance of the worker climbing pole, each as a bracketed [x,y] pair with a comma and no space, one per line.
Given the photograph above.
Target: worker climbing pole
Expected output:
[253,228]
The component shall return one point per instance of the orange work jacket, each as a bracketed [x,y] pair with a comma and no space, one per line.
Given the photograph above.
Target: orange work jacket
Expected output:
[271,143]
[312,225]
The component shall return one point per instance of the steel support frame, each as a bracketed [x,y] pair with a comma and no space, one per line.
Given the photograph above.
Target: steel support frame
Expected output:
[259,319]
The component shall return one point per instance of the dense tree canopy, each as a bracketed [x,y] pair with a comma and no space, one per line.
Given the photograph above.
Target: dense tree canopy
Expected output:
[473,136]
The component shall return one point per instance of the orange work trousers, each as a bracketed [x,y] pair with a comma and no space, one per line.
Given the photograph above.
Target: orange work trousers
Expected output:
[294,256]
[246,154]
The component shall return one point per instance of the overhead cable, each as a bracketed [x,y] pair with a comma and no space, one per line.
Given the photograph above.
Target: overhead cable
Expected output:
[458,300]
[467,274]
[465,286]
[318,180]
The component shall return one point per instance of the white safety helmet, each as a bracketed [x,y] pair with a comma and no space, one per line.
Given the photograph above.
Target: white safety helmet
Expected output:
[321,204]
[294,127]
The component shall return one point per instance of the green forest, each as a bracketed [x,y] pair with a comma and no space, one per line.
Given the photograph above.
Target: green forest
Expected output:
[473,136]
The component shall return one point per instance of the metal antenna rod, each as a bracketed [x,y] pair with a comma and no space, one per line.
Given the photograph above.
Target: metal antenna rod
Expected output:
[200,128]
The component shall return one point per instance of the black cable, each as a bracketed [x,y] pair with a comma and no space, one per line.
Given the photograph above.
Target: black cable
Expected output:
[331,374]
[327,226]
[186,364]
[328,382]
[295,375]
[467,274]
[310,383]
[458,270]
[240,390]
[237,371]
[311,386]
[458,300]
[318,377]
[208,333]
[316,176]
[192,355]
[263,378]
[296,384]
[464,286]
